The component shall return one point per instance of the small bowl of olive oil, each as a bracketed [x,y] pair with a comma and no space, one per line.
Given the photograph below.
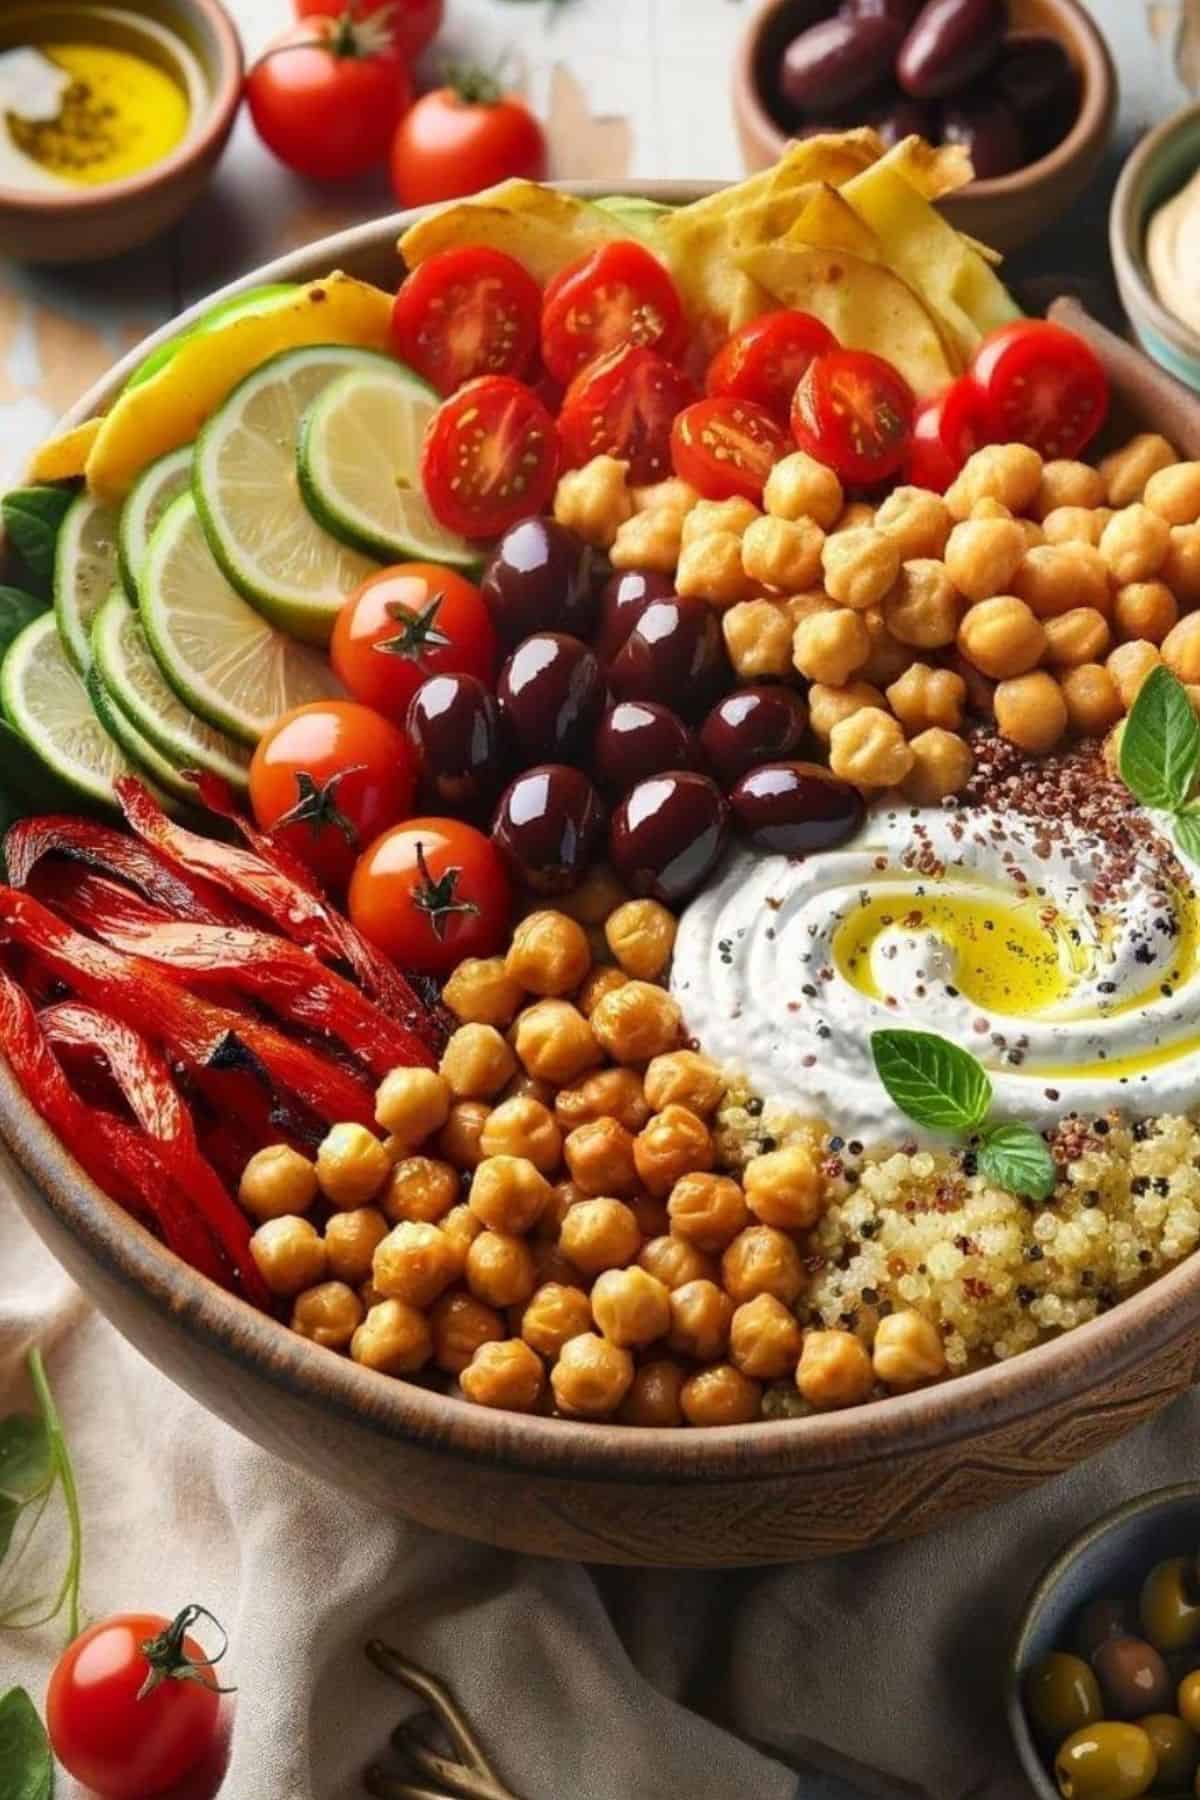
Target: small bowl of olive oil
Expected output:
[112,117]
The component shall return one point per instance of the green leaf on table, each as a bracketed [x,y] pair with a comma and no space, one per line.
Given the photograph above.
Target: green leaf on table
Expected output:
[32,517]
[1187,835]
[931,1080]
[26,1765]
[10,1512]
[1016,1157]
[26,1460]
[1160,745]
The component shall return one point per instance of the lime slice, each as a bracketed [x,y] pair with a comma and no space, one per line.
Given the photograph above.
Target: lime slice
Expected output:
[149,762]
[248,492]
[45,700]
[221,657]
[139,688]
[360,466]
[152,493]
[85,567]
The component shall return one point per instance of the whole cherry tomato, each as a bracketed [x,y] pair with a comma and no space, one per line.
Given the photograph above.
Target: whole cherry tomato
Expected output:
[459,139]
[854,412]
[327,95]
[618,295]
[431,892]
[464,313]
[764,361]
[405,624]
[132,1705]
[1040,385]
[947,430]
[624,404]
[726,448]
[328,778]
[490,457]
[412,24]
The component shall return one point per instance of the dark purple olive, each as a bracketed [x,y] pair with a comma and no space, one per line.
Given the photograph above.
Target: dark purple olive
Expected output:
[1037,78]
[542,578]
[667,836]
[903,118]
[623,600]
[548,827]
[795,808]
[675,653]
[837,61]
[750,726]
[551,693]
[989,132]
[1107,1617]
[951,43]
[454,727]
[637,739]
[1133,1677]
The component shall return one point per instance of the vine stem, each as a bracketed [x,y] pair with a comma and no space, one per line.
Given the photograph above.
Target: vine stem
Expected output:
[66,1475]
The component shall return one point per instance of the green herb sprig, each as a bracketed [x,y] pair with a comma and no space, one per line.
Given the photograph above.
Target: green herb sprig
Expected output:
[1160,755]
[26,1765]
[34,1460]
[939,1085]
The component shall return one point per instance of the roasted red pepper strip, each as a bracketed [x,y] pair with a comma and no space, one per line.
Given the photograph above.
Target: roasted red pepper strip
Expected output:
[30,841]
[153,1099]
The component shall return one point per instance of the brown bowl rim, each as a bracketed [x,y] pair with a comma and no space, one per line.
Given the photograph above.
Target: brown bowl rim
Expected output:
[216,125]
[1127,230]
[396,1409]
[1091,127]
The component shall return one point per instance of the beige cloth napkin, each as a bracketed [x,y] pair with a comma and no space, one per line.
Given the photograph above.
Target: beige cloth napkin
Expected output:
[606,1685]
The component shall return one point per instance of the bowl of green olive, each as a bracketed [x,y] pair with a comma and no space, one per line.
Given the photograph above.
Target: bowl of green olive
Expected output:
[1104,1683]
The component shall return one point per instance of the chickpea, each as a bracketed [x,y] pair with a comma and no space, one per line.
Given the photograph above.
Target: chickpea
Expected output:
[1145,609]
[600,1157]
[651,539]
[460,1324]
[458,1142]
[289,1254]
[923,607]
[707,1210]
[869,749]
[523,1127]
[983,555]
[653,1399]
[1093,700]
[918,521]
[710,568]
[599,982]
[637,1022]
[1134,544]
[989,510]
[799,487]
[1010,473]
[1129,664]
[460,1228]
[701,1315]
[591,1377]
[608,1094]
[783,554]
[595,501]
[352,1165]
[828,706]
[783,1188]
[555,1042]
[421,1190]
[860,566]
[708,516]
[412,1104]
[672,492]
[631,1308]
[834,1370]
[925,696]
[684,1078]
[641,935]
[762,1260]
[650,1211]
[942,765]
[676,1262]
[328,1315]
[549,953]
[854,515]
[1079,636]
[1002,637]
[508,1194]
[1031,711]
[476,1063]
[1181,649]
[394,1338]
[350,1242]
[829,646]
[500,1269]
[758,639]
[764,1339]
[561,1198]
[1174,493]
[908,1351]
[555,1314]
[888,657]
[1181,570]
[551,1265]
[277,1181]
[1068,484]
[672,1144]
[413,1263]
[1073,525]
[721,1395]
[506,1375]
[1126,472]
[979,689]
[1058,577]
[600,1234]
[806,606]
[482,992]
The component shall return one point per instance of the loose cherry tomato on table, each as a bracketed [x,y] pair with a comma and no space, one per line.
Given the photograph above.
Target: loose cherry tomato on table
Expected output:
[465,313]
[412,24]
[947,429]
[490,457]
[726,448]
[618,295]
[1042,386]
[327,779]
[624,405]
[132,1704]
[327,95]
[431,892]
[854,412]
[405,624]
[765,359]
[459,139]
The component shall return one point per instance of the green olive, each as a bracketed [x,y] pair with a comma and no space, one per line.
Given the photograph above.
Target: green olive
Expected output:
[1170,1605]
[1187,1700]
[1062,1696]
[1177,1749]
[1105,1762]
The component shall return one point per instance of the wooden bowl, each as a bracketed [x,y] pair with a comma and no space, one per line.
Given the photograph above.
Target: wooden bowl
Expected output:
[91,224]
[1005,212]
[773,1492]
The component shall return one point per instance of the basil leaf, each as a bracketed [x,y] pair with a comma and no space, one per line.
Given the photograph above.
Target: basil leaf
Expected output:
[31,518]
[26,1765]
[1187,834]
[1016,1157]
[28,785]
[932,1080]
[26,1463]
[17,610]
[1160,746]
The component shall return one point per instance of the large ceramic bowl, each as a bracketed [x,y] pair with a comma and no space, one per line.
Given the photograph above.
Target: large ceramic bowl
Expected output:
[1162,163]
[739,1494]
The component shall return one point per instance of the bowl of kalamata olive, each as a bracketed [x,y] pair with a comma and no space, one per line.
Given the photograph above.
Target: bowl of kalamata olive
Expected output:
[1103,1692]
[1026,86]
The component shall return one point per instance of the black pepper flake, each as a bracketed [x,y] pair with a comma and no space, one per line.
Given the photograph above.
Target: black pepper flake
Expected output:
[754,1107]
[1101,1127]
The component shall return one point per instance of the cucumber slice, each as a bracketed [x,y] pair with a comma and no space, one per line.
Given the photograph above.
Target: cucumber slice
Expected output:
[221,657]
[46,701]
[152,493]
[85,567]
[360,466]
[146,759]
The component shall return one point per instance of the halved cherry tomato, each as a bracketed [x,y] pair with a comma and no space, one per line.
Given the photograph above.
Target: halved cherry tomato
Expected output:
[491,457]
[765,359]
[618,295]
[1041,386]
[327,779]
[458,139]
[725,447]
[624,404]
[465,313]
[327,95]
[947,430]
[854,412]
[405,624]
[412,24]
[431,892]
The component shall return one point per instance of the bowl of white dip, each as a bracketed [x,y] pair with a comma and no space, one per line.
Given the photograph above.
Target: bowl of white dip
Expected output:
[1154,234]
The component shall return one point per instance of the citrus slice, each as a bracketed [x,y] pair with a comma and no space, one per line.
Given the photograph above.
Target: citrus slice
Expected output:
[46,701]
[256,300]
[221,657]
[152,493]
[85,567]
[139,688]
[146,759]
[64,458]
[360,465]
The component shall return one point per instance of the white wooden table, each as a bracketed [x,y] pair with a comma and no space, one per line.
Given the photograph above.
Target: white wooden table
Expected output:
[628,88]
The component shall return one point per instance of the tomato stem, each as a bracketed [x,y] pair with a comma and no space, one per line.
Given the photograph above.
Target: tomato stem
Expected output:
[473,85]
[317,805]
[168,1657]
[438,899]
[61,1456]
